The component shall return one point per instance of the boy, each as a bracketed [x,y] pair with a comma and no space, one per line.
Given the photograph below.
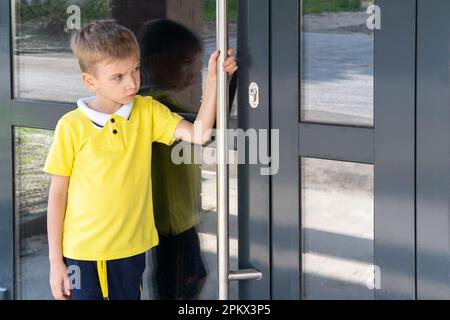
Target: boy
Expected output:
[100,215]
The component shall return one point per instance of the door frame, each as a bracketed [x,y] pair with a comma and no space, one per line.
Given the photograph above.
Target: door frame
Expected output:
[269,217]
[254,208]
[20,113]
[285,185]
[433,150]
[6,157]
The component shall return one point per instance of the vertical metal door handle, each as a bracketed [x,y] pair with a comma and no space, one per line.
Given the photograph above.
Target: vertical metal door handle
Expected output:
[224,274]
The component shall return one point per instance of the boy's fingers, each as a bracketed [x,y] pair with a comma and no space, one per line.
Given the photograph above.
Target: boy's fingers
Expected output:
[230,65]
[67,286]
[214,57]
[57,291]
[229,62]
[217,52]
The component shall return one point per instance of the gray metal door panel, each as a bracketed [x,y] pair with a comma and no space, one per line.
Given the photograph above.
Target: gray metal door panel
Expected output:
[254,188]
[284,117]
[395,149]
[433,150]
[6,190]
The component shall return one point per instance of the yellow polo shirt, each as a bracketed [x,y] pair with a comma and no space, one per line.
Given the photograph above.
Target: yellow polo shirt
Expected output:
[109,212]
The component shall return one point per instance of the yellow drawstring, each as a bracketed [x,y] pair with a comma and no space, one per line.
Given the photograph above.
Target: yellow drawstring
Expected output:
[103,278]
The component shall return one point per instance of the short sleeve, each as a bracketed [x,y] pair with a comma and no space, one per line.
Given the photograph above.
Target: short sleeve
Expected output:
[61,156]
[164,123]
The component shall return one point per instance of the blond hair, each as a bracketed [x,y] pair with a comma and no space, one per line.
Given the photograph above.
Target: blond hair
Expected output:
[101,40]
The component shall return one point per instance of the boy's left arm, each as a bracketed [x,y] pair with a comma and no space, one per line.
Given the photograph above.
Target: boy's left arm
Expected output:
[200,131]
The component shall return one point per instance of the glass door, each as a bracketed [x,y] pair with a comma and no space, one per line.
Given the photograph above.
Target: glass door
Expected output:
[45,84]
[342,87]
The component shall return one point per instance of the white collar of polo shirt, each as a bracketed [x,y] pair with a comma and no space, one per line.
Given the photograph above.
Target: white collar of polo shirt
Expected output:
[100,118]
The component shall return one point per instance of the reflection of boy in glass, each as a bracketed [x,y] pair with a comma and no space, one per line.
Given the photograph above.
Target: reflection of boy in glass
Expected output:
[171,62]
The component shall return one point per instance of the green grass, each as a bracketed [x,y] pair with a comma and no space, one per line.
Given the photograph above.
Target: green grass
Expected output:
[209,10]
[35,11]
[320,6]
[99,9]
[309,6]
[31,183]
[92,10]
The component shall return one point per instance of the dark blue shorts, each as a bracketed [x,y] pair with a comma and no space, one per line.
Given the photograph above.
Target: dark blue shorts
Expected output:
[124,278]
[179,271]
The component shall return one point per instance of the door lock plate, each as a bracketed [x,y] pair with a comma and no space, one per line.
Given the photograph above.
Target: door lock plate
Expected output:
[253,95]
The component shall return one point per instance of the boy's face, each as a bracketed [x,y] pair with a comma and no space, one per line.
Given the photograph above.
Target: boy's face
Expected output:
[175,74]
[190,70]
[115,80]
